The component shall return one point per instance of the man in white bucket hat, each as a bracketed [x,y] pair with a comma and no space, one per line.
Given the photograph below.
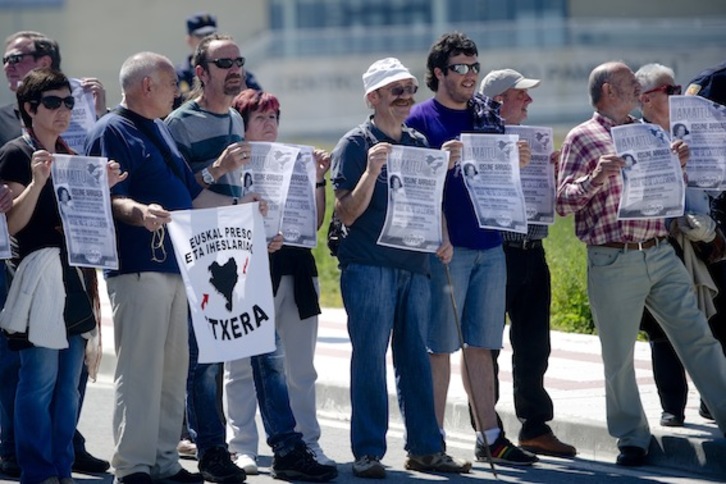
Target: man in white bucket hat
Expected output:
[385,290]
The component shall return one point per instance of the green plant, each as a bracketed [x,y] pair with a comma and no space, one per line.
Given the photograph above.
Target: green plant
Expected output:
[566,257]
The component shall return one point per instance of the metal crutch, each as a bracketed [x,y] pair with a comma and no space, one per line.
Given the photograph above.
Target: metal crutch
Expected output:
[466,367]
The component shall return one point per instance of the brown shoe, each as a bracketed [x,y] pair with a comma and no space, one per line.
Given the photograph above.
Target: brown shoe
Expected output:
[548,444]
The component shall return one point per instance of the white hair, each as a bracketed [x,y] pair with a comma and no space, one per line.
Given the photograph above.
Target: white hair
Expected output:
[139,66]
[650,75]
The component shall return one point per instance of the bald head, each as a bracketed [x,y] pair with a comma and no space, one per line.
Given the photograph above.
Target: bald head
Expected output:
[614,90]
[149,84]
[139,66]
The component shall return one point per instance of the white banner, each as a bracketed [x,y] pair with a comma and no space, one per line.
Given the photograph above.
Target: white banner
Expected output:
[702,124]
[490,167]
[416,179]
[218,251]
[653,185]
[81,188]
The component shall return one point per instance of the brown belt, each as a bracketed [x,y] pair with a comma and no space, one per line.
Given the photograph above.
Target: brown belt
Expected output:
[636,245]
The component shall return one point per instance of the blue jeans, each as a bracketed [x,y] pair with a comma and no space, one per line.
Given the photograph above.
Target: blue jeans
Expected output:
[385,303]
[9,367]
[205,415]
[46,409]
[268,371]
[479,278]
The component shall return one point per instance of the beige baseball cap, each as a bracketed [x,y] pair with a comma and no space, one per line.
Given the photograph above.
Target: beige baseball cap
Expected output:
[496,82]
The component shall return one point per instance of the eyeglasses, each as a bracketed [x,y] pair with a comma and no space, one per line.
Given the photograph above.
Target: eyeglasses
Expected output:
[54,102]
[463,69]
[666,88]
[227,63]
[399,91]
[16,58]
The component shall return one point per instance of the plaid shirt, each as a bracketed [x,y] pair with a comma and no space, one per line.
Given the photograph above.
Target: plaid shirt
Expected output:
[596,207]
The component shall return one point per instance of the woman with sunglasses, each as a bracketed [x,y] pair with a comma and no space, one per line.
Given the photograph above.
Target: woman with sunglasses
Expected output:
[49,332]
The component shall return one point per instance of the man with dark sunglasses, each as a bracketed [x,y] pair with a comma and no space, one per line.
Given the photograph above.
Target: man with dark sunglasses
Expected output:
[385,290]
[199,25]
[209,133]
[25,51]
[478,266]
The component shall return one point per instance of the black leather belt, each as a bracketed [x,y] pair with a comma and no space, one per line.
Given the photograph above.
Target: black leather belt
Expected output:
[647,244]
[524,244]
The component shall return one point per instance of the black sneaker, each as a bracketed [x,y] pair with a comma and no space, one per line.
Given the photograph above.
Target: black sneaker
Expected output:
[300,465]
[216,466]
[505,452]
[9,466]
[88,464]
[182,477]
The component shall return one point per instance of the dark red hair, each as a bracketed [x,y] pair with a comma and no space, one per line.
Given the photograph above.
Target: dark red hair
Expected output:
[251,100]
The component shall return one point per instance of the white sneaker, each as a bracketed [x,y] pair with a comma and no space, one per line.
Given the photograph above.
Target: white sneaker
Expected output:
[320,456]
[187,449]
[247,463]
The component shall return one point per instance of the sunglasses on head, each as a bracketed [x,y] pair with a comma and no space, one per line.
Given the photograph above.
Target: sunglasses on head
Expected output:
[667,88]
[227,63]
[400,90]
[55,102]
[463,69]
[16,58]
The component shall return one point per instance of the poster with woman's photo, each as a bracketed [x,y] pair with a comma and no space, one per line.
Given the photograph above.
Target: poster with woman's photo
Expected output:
[268,173]
[84,202]
[702,124]
[300,215]
[415,180]
[538,177]
[83,117]
[653,185]
[490,166]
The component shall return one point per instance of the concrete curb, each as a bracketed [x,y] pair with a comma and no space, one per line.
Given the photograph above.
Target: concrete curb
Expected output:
[703,456]
[694,449]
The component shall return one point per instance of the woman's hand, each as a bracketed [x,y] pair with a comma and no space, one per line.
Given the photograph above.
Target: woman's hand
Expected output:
[40,166]
[275,244]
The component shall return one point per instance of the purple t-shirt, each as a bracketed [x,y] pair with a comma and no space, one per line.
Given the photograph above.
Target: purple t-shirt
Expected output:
[440,124]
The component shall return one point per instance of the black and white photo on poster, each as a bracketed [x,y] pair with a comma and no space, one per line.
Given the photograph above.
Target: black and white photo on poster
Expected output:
[490,167]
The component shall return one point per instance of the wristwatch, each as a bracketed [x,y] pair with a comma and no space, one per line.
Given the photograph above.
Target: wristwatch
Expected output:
[207,176]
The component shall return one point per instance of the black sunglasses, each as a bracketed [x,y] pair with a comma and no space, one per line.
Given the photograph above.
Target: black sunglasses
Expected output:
[463,69]
[54,102]
[16,58]
[666,88]
[400,90]
[227,63]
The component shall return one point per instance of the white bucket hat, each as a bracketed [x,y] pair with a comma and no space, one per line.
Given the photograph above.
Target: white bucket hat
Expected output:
[383,72]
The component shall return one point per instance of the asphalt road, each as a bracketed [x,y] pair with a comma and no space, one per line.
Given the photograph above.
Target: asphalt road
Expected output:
[96,426]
